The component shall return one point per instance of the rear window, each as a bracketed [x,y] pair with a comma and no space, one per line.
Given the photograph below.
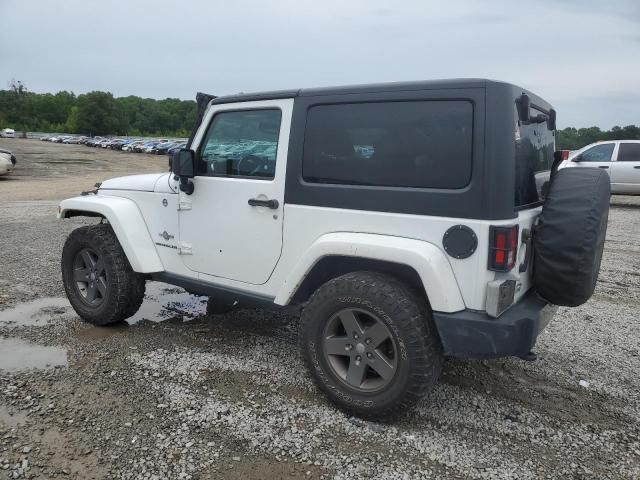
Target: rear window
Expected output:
[629,152]
[422,144]
[535,144]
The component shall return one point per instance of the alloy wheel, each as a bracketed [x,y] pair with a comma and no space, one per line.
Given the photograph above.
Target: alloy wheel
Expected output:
[360,349]
[90,277]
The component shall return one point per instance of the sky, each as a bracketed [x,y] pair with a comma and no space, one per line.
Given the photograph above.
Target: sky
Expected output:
[582,56]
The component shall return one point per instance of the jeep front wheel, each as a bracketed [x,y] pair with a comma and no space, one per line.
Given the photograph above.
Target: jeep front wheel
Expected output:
[370,344]
[100,284]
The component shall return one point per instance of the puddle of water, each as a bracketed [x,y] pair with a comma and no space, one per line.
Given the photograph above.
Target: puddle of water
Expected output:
[9,419]
[97,333]
[16,355]
[162,302]
[34,313]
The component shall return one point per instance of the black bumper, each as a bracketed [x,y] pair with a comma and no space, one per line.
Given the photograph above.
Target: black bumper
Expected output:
[471,334]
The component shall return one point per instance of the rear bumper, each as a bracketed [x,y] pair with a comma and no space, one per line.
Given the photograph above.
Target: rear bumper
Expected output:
[470,334]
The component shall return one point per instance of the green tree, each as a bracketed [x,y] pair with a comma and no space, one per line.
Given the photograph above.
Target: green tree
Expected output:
[94,113]
[21,105]
[97,114]
[71,125]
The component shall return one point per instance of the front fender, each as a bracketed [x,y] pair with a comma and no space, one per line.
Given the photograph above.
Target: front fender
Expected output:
[127,223]
[425,258]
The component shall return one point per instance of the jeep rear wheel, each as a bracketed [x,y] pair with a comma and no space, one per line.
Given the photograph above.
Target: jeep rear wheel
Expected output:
[370,344]
[98,279]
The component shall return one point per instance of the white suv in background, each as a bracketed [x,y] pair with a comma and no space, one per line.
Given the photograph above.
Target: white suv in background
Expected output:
[620,158]
[8,133]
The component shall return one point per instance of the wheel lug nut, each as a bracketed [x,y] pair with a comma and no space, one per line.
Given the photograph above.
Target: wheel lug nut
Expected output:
[358,358]
[368,341]
[348,347]
[355,336]
[369,355]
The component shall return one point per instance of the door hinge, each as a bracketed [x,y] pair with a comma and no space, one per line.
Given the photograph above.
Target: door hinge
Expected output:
[184,249]
[184,203]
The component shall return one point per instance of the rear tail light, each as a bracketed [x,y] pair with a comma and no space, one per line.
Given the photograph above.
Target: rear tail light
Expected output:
[561,155]
[503,248]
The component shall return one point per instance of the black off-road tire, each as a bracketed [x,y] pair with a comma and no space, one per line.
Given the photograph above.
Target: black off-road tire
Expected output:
[125,288]
[407,318]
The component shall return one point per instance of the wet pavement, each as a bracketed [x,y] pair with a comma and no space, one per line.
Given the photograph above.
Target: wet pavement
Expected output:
[17,355]
[161,302]
[35,313]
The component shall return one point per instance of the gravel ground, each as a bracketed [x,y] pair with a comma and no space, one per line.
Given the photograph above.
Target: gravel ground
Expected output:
[174,394]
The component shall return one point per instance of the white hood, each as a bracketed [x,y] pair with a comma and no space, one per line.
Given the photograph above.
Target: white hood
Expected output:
[139,183]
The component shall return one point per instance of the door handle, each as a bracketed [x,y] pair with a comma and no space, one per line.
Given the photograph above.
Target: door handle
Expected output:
[637,166]
[602,166]
[272,204]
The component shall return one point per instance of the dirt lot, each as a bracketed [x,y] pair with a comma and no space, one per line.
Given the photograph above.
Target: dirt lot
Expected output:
[226,397]
[51,171]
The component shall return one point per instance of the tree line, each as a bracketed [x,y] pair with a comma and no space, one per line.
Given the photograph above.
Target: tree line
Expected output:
[94,113]
[575,138]
[100,113]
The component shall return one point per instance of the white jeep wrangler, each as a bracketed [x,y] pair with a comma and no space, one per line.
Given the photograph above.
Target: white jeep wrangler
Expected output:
[409,221]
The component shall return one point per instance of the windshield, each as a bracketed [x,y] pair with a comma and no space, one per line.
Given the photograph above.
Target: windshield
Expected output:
[535,144]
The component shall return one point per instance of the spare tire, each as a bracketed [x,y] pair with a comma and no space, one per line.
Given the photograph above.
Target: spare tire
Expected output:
[569,239]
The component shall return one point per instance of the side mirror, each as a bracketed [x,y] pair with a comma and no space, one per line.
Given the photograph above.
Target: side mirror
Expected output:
[577,159]
[183,167]
[183,163]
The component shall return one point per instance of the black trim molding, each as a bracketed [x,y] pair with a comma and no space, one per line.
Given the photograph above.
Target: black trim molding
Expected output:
[228,294]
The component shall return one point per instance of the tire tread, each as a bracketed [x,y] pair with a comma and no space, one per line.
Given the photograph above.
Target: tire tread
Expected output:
[127,287]
[412,315]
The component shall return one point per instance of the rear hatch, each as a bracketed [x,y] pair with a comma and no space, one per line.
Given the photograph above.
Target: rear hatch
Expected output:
[534,149]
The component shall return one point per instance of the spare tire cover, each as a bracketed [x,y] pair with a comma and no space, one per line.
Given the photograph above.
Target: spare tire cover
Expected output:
[569,239]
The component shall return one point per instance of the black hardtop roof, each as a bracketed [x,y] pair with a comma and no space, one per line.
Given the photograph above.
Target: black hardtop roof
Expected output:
[367,88]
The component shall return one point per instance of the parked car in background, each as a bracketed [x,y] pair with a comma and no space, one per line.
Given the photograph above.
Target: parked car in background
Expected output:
[620,158]
[161,148]
[176,147]
[148,146]
[73,140]
[7,162]
[8,133]
[130,147]
[93,142]
[117,143]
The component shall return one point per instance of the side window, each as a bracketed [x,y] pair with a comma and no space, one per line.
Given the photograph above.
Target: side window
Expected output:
[599,153]
[629,152]
[241,143]
[423,144]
